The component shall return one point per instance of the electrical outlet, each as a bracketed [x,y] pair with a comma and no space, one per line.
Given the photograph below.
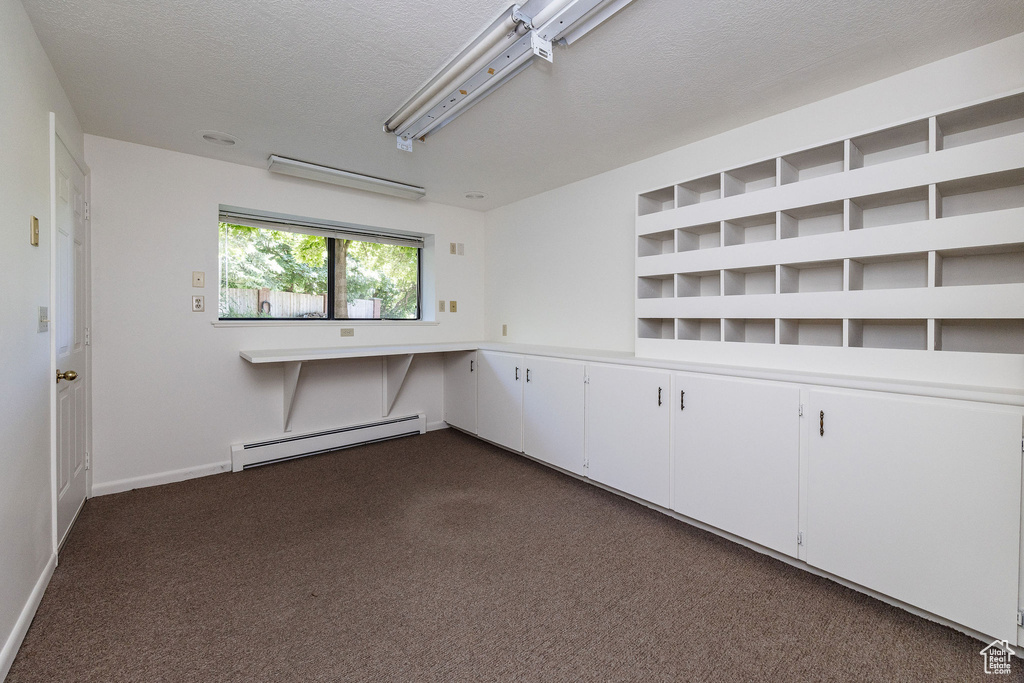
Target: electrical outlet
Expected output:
[348,332]
[440,306]
[452,307]
[453,248]
[198,304]
[504,330]
[198,278]
[462,248]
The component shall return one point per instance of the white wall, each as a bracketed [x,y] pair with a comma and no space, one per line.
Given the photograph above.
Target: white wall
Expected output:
[560,265]
[170,393]
[29,91]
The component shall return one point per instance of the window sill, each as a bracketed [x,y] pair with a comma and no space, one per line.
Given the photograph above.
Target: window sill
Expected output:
[324,323]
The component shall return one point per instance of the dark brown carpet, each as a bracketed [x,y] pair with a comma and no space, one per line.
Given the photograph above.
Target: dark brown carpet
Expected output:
[440,558]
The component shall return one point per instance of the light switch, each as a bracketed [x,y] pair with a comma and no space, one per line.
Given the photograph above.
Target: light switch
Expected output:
[33,234]
[452,306]
[452,248]
[198,278]
[504,330]
[44,319]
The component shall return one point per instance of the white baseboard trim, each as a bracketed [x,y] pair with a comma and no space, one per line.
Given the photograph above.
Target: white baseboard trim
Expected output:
[434,426]
[17,636]
[106,488]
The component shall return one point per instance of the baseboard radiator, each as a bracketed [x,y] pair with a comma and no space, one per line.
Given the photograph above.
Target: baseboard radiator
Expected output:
[248,455]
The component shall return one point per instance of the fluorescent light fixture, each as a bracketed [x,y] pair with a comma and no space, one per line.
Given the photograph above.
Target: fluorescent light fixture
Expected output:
[335,176]
[503,50]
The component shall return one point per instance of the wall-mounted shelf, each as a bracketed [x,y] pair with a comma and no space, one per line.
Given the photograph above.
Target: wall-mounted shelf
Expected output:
[839,242]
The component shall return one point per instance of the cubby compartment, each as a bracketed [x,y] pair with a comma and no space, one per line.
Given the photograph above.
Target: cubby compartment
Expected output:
[980,336]
[706,283]
[759,176]
[981,122]
[978,194]
[890,144]
[760,280]
[811,163]
[889,334]
[704,189]
[655,201]
[805,221]
[754,330]
[699,329]
[749,229]
[811,332]
[899,271]
[655,328]
[817,276]
[706,236]
[654,287]
[981,266]
[889,208]
[655,243]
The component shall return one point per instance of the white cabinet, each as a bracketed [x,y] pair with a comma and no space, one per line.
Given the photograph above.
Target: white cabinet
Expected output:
[628,430]
[918,499]
[500,398]
[553,409]
[736,456]
[460,374]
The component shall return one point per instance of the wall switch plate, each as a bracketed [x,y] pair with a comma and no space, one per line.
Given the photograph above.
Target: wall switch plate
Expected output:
[198,278]
[504,330]
[348,332]
[440,306]
[461,248]
[33,232]
[44,319]
[198,304]
[452,306]
[453,248]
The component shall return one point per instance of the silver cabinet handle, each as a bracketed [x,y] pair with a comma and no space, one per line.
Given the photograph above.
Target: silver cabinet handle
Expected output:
[527,374]
[517,373]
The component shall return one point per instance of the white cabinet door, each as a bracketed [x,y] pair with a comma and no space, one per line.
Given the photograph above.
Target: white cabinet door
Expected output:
[460,390]
[628,431]
[500,398]
[553,401]
[918,499]
[736,453]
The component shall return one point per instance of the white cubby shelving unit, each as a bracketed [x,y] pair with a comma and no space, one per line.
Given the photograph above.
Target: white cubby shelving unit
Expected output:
[906,238]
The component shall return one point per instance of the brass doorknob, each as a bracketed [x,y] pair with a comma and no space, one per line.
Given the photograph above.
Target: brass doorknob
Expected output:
[69,375]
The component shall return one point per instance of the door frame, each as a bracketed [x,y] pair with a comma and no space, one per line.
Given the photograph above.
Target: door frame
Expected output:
[58,132]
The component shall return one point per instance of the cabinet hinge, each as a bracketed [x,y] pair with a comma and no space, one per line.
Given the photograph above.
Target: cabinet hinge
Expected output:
[86,210]
[801,412]
[88,337]
[800,538]
[1020,617]
[88,461]
[586,379]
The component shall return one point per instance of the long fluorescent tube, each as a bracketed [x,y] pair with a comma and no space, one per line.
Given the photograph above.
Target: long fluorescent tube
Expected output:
[503,50]
[335,176]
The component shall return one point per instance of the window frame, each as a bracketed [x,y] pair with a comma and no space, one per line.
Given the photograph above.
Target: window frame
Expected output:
[350,231]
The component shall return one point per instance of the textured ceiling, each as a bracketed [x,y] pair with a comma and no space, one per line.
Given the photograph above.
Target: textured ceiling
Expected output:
[315,79]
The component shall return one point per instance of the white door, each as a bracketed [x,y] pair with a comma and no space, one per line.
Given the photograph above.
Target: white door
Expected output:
[500,399]
[460,374]
[736,453]
[918,499]
[70,318]
[553,412]
[628,431]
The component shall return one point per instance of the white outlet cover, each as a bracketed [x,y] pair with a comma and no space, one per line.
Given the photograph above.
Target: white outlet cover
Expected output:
[198,304]
[453,248]
[461,248]
[440,306]
[198,278]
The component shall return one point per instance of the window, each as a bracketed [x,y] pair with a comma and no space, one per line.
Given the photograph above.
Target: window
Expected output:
[286,268]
